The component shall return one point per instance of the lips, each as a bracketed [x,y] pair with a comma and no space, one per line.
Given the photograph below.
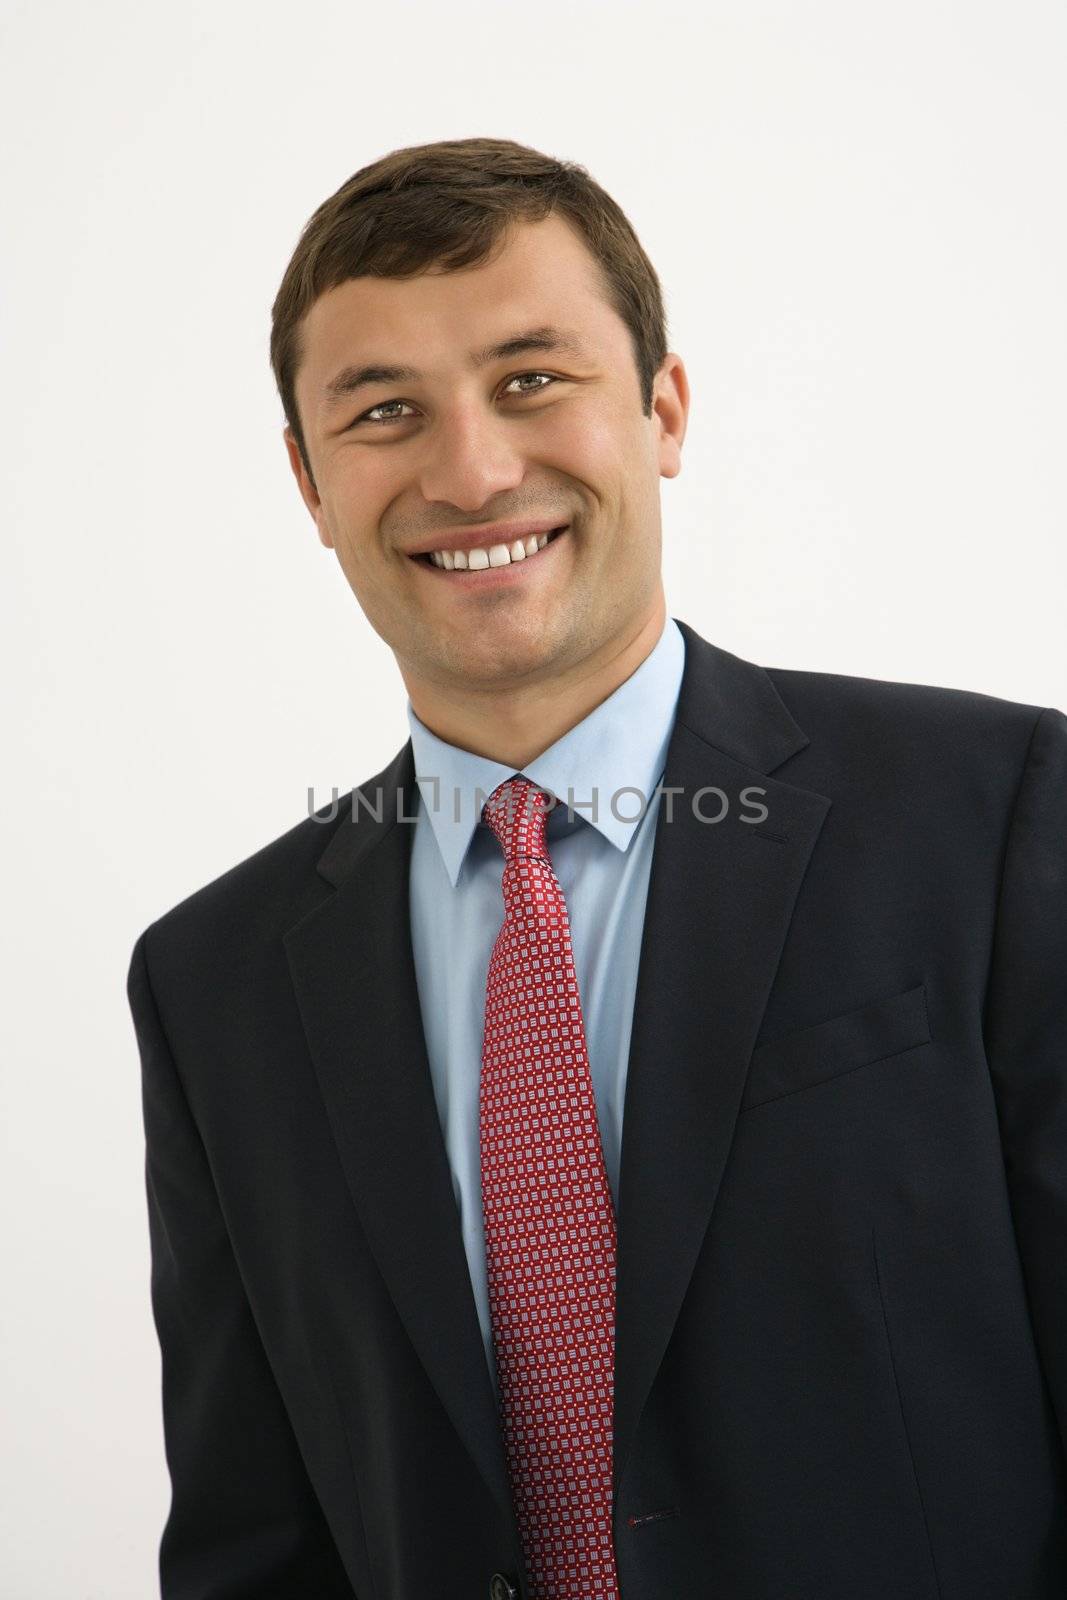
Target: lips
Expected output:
[427,558]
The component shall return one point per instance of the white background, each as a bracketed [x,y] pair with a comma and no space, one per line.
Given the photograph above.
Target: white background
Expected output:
[857,214]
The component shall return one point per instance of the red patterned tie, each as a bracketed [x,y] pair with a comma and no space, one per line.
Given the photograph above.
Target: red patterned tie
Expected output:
[549,1222]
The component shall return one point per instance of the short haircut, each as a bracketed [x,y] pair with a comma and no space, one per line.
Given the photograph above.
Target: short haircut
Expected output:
[448,205]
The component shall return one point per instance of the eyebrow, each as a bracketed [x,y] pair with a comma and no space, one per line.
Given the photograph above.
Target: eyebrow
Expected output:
[346,382]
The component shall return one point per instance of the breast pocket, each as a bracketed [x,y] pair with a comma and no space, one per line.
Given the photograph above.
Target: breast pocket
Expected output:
[859,1038]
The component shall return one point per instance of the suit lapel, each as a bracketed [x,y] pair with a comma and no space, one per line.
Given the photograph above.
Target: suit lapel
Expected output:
[720,900]
[354,973]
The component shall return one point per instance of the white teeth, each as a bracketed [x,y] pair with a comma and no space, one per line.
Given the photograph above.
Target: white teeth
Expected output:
[496,555]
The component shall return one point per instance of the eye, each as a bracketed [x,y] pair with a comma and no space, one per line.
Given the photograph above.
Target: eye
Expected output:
[519,376]
[384,405]
[376,418]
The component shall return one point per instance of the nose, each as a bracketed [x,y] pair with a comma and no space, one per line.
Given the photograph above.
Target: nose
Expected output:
[470,457]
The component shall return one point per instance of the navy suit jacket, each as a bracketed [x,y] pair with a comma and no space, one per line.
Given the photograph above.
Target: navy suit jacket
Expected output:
[841,1344]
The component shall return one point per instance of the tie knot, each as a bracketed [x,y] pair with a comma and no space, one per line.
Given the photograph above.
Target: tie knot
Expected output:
[516,811]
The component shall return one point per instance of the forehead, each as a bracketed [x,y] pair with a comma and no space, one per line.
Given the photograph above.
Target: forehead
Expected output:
[542,274]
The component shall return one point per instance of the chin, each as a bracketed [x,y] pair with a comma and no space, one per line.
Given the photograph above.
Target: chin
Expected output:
[507,653]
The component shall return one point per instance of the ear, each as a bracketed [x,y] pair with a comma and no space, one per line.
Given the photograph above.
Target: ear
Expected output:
[308,492]
[670,413]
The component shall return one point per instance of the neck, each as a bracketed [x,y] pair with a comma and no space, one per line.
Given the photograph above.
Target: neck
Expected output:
[514,725]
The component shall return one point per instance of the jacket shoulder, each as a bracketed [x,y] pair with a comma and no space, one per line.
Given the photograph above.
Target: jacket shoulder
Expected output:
[923,717]
[240,904]
[255,899]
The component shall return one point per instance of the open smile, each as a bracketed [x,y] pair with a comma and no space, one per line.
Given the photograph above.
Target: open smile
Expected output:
[490,565]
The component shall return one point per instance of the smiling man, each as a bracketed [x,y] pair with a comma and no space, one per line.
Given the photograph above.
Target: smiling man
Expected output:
[415,438]
[620,1152]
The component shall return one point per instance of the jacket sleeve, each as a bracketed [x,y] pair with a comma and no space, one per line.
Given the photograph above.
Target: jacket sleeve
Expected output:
[244,1521]
[1026,1039]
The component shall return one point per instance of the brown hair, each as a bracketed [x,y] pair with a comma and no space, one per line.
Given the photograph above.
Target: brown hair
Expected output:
[449,205]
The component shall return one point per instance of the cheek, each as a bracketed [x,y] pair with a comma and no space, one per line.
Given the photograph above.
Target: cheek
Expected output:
[594,446]
[355,500]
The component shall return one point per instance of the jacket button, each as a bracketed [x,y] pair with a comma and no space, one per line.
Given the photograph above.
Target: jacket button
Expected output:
[501,1588]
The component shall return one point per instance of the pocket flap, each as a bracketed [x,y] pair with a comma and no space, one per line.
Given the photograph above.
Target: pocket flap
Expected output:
[855,1039]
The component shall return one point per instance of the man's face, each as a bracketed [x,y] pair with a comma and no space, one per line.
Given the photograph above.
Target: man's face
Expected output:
[467,445]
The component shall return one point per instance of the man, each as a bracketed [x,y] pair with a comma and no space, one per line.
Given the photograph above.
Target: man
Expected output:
[621,1149]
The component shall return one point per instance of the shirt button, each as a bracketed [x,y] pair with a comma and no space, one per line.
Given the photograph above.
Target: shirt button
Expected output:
[501,1588]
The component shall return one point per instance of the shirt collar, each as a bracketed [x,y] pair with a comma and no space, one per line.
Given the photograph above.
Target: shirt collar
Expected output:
[621,746]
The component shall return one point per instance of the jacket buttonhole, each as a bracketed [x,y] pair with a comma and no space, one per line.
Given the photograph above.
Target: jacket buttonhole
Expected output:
[652,1516]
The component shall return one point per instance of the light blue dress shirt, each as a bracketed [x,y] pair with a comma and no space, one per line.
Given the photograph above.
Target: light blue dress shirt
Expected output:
[602,861]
